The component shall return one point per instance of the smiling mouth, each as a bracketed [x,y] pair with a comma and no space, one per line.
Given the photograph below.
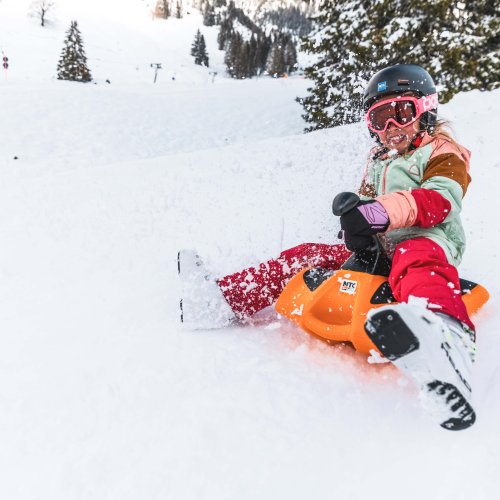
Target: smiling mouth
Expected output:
[397,139]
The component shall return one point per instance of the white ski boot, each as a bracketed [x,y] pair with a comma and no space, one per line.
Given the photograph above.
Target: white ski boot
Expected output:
[436,351]
[202,305]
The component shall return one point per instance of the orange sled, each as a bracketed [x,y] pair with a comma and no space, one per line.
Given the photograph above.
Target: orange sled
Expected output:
[332,305]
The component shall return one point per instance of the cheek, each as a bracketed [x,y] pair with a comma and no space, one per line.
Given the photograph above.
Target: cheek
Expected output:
[382,137]
[409,130]
[413,127]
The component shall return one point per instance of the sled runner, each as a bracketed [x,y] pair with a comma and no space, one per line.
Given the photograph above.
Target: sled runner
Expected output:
[333,305]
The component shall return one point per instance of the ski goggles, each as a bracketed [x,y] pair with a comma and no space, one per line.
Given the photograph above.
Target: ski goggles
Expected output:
[401,111]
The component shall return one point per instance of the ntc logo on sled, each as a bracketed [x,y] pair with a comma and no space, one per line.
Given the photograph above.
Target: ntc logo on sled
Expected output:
[348,286]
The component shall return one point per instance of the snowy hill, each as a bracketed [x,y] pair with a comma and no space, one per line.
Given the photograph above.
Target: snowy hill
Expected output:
[121,39]
[102,394]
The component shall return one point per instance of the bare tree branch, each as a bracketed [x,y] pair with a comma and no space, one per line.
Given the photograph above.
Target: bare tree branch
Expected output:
[41,8]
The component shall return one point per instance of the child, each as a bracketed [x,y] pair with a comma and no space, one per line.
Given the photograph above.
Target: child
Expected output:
[411,197]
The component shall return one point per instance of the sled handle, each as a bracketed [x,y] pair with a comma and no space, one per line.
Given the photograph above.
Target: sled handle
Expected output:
[370,259]
[344,202]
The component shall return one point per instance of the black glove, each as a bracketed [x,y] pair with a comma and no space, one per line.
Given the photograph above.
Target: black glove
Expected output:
[359,220]
[365,219]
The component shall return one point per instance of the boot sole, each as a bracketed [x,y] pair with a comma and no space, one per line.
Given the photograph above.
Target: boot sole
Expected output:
[395,340]
[391,335]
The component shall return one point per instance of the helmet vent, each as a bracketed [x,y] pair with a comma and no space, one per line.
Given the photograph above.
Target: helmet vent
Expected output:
[404,82]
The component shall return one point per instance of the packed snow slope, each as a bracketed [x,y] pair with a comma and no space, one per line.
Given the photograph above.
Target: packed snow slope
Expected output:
[102,393]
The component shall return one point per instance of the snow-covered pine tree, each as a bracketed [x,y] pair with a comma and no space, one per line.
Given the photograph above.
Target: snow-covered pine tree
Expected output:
[209,15]
[252,56]
[233,56]
[201,56]
[220,10]
[456,41]
[245,58]
[73,63]
[275,65]
[470,48]
[292,18]
[290,56]
[452,39]
[178,9]
[225,32]
[344,40]
[196,43]
[264,44]
[484,21]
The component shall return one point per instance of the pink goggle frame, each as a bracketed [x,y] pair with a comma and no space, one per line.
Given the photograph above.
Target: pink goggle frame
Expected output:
[420,105]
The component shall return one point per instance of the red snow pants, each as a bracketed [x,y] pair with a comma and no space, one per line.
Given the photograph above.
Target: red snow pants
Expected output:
[419,268]
[255,288]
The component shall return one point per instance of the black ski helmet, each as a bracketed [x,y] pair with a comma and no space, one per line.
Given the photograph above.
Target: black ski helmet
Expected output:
[400,79]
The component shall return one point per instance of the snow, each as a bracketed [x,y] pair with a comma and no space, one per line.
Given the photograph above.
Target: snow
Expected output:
[102,393]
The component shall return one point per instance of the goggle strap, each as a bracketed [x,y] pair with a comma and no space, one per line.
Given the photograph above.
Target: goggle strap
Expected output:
[428,102]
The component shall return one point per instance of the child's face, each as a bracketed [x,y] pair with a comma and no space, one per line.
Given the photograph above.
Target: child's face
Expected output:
[398,137]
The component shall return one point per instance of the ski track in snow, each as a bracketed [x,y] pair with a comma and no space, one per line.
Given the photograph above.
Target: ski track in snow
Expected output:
[102,393]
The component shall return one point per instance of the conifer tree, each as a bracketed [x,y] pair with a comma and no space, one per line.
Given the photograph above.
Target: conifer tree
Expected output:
[264,44]
[199,50]
[456,41]
[178,10]
[484,22]
[232,57]
[290,56]
[245,60]
[344,43]
[451,39]
[209,15]
[226,29]
[252,56]
[276,60]
[73,63]
[196,43]
[201,56]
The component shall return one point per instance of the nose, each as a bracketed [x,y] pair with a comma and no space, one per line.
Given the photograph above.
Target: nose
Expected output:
[390,125]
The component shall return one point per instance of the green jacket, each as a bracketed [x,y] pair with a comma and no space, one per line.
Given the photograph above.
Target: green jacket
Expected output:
[438,164]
